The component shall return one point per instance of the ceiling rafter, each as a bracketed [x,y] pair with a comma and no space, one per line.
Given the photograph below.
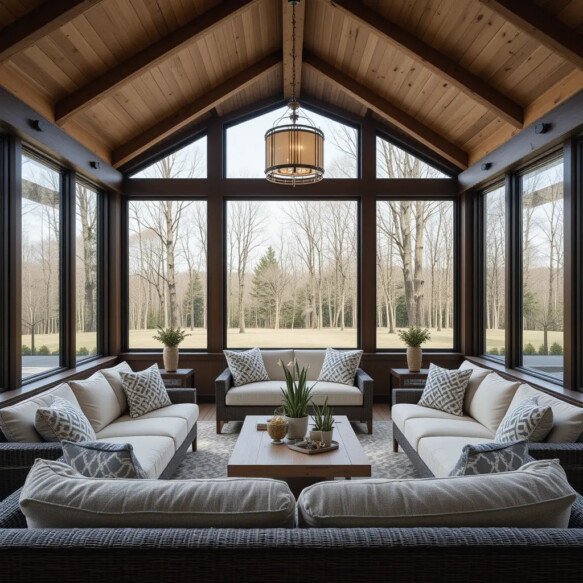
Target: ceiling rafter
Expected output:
[542,26]
[435,61]
[148,58]
[288,65]
[38,23]
[389,111]
[193,110]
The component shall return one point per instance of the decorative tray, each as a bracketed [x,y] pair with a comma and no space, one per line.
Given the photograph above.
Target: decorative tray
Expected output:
[301,447]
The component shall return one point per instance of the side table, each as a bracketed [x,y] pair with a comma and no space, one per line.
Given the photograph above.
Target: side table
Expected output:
[403,378]
[183,378]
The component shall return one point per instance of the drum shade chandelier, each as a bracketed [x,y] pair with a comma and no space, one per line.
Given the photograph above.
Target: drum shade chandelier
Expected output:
[294,152]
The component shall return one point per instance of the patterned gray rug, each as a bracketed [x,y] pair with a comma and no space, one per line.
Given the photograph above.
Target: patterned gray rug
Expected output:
[210,461]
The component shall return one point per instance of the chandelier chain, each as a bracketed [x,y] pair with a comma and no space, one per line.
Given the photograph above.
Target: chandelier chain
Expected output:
[293,52]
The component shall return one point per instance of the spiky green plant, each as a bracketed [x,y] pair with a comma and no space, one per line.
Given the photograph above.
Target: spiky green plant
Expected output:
[414,336]
[171,337]
[297,393]
[323,417]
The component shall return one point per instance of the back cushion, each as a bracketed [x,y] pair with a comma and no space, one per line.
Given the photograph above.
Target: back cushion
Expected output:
[491,400]
[113,378]
[56,496]
[97,400]
[478,375]
[17,421]
[314,359]
[537,495]
[271,360]
[567,418]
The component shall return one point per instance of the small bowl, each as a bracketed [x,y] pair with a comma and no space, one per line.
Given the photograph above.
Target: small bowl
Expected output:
[277,429]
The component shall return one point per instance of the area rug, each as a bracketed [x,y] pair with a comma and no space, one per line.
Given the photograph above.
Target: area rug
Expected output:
[213,451]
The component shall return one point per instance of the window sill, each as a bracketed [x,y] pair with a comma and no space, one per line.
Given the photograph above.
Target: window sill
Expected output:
[38,386]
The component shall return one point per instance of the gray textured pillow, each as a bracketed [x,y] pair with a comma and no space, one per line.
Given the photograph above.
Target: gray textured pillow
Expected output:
[95,459]
[63,420]
[145,391]
[445,389]
[491,458]
[527,420]
[340,366]
[246,366]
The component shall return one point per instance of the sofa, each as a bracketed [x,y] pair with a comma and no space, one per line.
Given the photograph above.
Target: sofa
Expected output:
[434,440]
[261,398]
[159,438]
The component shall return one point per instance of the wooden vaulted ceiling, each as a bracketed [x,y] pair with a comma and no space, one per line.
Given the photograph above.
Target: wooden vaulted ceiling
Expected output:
[460,77]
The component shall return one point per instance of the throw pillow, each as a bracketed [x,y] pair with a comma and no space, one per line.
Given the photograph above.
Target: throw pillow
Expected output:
[491,458]
[95,459]
[246,366]
[527,420]
[62,420]
[445,389]
[340,366]
[145,391]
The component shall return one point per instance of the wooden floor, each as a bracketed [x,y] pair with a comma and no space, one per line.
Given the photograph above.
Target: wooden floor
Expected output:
[381,412]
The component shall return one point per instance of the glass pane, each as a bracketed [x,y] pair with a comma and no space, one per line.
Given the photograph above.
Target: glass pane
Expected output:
[494,274]
[291,274]
[41,225]
[415,266]
[246,146]
[542,269]
[167,270]
[188,162]
[393,162]
[86,266]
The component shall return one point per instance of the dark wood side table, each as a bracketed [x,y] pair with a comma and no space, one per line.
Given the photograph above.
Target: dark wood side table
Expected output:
[183,378]
[403,378]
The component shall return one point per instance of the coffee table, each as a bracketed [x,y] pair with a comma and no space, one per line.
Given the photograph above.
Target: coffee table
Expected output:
[254,456]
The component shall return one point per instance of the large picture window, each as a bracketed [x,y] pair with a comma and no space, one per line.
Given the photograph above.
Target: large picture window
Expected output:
[394,162]
[167,270]
[415,270]
[292,274]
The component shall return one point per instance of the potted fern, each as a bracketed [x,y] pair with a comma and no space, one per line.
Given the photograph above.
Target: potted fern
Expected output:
[323,424]
[414,337]
[296,398]
[170,338]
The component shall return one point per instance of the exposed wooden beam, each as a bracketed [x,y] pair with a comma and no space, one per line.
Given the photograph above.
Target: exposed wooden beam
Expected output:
[46,18]
[163,49]
[193,110]
[542,26]
[434,60]
[288,64]
[389,111]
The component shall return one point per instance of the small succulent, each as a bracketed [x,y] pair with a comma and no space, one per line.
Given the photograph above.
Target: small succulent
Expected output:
[323,417]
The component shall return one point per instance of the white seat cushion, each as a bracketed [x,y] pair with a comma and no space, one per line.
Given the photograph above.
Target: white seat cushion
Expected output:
[187,411]
[416,429]
[271,360]
[268,394]
[478,375]
[154,452]
[172,427]
[441,454]
[402,412]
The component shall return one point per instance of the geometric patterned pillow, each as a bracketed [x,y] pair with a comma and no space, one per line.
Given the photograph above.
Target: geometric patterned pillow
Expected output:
[246,366]
[445,389]
[527,420]
[63,420]
[491,458]
[145,391]
[95,459]
[340,366]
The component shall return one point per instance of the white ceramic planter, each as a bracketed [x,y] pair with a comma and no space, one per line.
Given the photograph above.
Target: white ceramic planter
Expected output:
[170,356]
[297,427]
[325,436]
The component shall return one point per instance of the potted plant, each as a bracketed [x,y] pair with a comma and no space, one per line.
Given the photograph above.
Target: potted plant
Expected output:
[170,338]
[414,337]
[323,424]
[296,398]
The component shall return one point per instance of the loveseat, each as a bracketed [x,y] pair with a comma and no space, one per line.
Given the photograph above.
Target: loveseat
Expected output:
[434,440]
[261,398]
[159,438]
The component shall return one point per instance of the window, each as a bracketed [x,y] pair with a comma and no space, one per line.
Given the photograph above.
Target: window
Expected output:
[167,270]
[494,270]
[393,162]
[542,268]
[188,162]
[291,274]
[415,270]
[87,284]
[41,267]
[246,146]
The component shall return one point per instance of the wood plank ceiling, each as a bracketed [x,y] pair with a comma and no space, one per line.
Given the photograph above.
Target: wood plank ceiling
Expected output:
[459,77]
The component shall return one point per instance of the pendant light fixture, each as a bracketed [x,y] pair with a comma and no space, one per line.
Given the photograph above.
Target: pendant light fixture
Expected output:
[294,152]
